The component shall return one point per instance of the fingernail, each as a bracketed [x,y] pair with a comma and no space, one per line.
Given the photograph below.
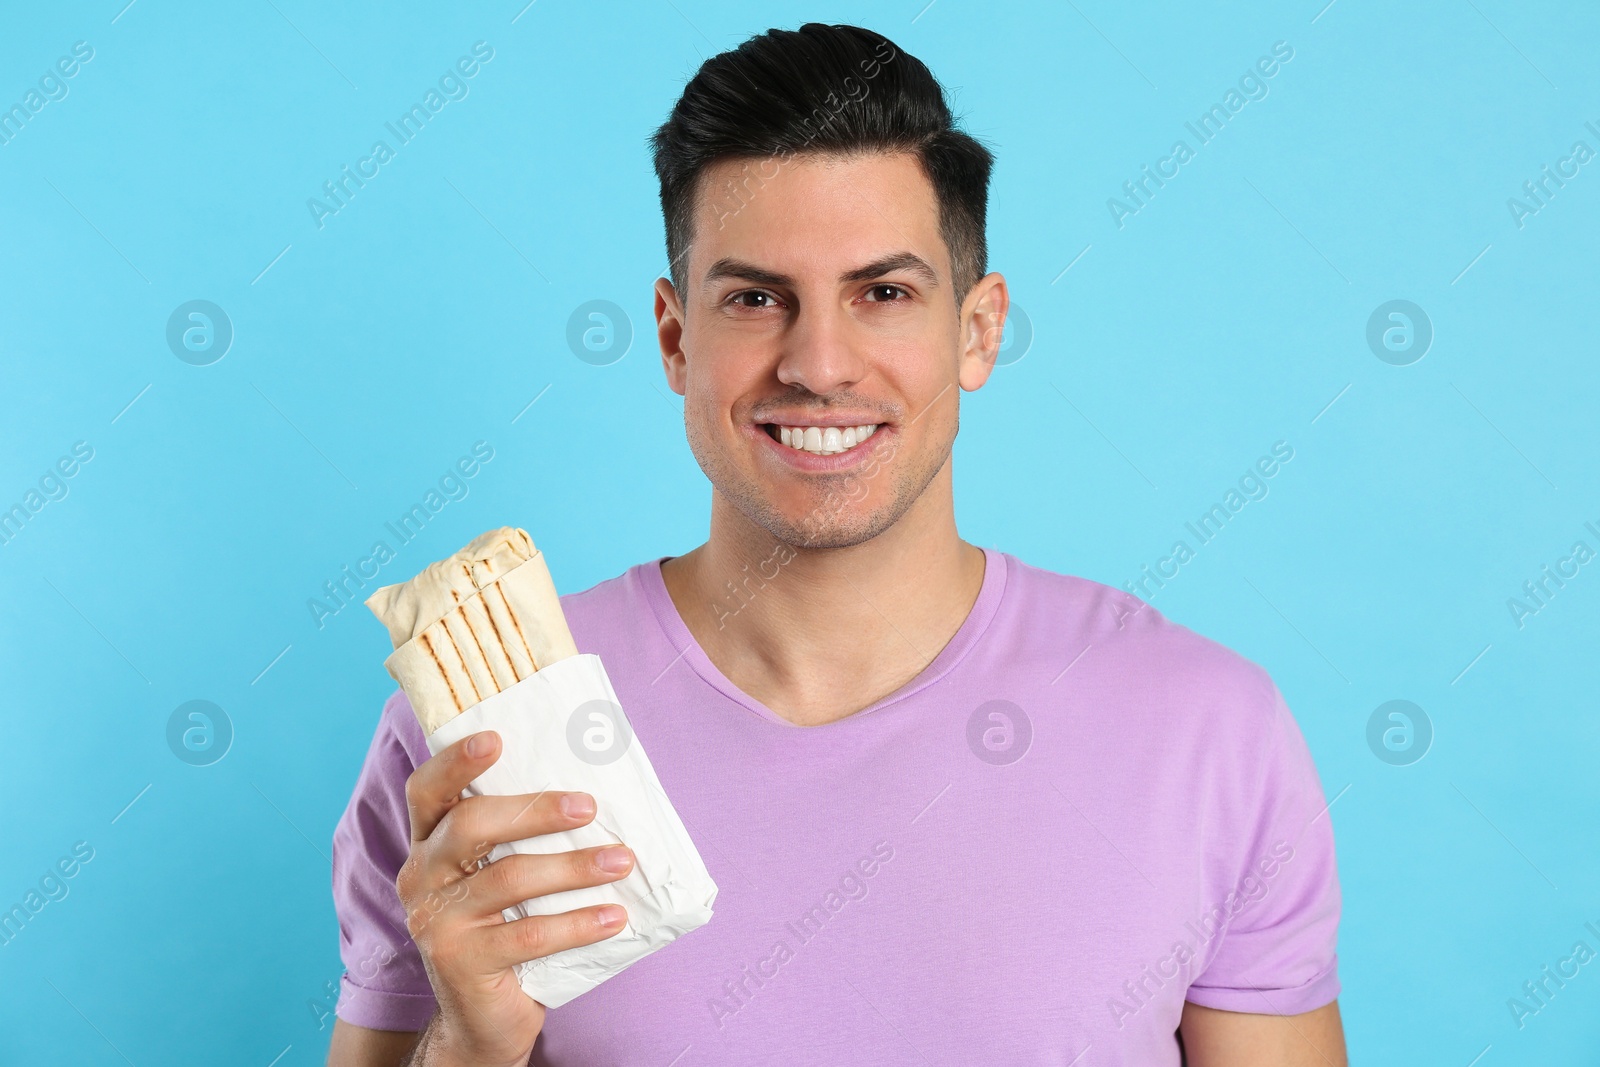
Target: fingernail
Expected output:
[616,860]
[480,744]
[610,915]
[577,805]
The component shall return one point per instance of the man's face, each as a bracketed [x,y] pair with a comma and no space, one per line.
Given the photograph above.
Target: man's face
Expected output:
[819,301]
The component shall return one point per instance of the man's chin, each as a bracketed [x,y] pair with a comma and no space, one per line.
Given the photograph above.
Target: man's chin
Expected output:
[832,523]
[827,511]
[836,536]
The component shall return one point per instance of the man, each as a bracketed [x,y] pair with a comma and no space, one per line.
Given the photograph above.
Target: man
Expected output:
[960,809]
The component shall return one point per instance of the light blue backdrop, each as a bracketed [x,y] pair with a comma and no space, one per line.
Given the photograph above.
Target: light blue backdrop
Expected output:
[1168,353]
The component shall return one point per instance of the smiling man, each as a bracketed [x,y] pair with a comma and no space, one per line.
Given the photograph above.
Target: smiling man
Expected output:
[961,809]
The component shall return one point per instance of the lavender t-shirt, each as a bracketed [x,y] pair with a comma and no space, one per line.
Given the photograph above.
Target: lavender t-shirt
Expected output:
[1077,817]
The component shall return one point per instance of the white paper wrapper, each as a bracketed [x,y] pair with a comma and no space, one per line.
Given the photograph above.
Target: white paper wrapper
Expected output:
[562,728]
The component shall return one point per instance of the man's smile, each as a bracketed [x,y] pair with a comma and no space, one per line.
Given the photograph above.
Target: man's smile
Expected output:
[822,446]
[821,439]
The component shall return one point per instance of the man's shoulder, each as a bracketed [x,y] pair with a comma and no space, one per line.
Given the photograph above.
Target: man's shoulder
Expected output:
[608,590]
[611,611]
[398,743]
[1056,613]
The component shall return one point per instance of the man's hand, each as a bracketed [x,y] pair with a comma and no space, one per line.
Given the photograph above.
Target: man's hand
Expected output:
[453,906]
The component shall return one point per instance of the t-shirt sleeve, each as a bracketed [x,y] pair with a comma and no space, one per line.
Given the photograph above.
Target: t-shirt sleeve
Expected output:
[385,986]
[1277,953]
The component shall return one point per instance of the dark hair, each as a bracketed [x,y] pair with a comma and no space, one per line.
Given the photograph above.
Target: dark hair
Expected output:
[828,90]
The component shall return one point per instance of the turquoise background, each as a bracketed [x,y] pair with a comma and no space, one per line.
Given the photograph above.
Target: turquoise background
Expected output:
[1229,313]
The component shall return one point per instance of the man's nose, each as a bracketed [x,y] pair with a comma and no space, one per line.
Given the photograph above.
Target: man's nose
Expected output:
[821,352]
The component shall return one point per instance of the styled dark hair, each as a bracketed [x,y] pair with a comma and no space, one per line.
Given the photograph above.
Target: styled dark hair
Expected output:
[826,90]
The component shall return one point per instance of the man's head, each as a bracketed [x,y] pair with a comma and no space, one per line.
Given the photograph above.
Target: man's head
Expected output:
[825,231]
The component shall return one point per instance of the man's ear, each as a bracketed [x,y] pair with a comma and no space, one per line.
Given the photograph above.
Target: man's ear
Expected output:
[983,323]
[669,334]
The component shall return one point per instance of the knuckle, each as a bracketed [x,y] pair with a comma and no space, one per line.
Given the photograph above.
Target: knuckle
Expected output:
[535,938]
[456,889]
[586,865]
[414,787]
[518,878]
[405,881]
[448,830]
[478,857]
[466,820]
[504,875]
[443,953]
[422,914]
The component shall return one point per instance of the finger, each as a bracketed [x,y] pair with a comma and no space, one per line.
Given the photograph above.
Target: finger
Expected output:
[476,825]
[435,787]
[436,874]
[503,946]
[512,879]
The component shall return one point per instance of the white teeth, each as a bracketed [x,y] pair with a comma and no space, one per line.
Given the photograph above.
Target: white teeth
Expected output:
[825,440]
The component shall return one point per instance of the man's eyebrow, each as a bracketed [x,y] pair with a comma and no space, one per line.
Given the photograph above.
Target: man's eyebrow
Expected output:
[728,267]
[909,262]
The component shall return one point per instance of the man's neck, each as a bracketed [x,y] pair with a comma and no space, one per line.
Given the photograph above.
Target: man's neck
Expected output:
[818,634]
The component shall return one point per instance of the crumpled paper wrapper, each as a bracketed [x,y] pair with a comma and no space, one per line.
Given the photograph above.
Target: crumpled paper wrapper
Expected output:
[562,728]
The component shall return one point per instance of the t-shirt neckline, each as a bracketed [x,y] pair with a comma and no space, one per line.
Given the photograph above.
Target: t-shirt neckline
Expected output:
[995,573]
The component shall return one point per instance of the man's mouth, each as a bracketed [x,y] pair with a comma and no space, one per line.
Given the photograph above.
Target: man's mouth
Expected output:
[820,440]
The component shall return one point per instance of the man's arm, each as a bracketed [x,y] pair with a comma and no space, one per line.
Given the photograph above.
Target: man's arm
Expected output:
[1213,1038]
[356,1046]
[454,909]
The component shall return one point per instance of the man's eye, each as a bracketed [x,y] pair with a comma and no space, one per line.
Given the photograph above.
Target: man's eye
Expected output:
[753,298]
[886,293]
